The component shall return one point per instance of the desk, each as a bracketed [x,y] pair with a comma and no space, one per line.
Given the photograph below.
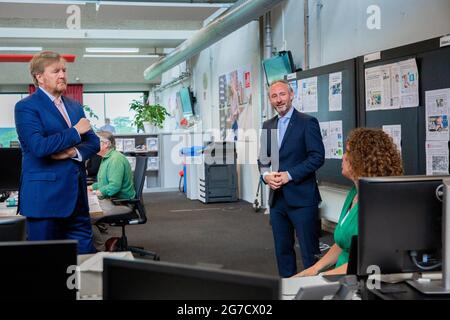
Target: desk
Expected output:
[399,291]
[95,209]
[315,285]
[7,211]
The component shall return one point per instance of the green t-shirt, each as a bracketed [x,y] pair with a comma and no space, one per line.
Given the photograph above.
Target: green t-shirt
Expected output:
[346,228]
[115,178]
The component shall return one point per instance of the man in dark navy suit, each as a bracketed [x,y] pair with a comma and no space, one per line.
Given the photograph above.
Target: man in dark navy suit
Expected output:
[291,151]
[56,139]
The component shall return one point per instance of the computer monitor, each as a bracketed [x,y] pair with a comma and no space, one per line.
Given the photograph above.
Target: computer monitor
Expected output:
[187,102]
[397,217]
[404,226]
[12,228]
[278,66]
[142,280]
[10,169]
[37,270]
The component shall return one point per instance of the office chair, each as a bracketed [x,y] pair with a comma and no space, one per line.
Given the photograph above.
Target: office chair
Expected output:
[130,212]
[92,167]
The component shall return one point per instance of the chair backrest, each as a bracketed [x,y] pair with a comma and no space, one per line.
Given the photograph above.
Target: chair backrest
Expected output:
[139,175]
[352,266]
[139,179]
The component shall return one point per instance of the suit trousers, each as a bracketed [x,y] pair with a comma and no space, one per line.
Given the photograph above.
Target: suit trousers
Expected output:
[75,227]
[287,222]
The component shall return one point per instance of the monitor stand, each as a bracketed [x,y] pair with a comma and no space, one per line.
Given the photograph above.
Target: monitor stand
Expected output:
[440,286]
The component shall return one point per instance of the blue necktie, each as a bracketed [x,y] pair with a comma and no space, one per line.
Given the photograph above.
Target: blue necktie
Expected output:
[282,126]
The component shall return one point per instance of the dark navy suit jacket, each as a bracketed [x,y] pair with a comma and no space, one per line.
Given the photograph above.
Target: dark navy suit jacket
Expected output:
[49,188]
[301,153]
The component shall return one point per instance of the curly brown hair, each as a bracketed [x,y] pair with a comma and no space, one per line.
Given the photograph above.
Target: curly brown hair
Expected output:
[372,153]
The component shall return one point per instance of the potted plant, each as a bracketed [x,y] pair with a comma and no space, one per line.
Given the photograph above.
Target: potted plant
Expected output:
[148,114]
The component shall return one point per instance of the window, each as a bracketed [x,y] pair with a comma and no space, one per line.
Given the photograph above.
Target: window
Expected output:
[115,106]
[7,124]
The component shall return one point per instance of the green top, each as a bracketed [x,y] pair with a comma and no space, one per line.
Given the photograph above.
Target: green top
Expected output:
[346,228]
[115,177]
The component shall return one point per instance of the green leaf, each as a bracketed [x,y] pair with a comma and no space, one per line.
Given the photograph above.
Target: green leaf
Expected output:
[153,113]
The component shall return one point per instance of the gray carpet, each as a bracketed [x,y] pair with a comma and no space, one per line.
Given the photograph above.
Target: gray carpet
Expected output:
[227,235]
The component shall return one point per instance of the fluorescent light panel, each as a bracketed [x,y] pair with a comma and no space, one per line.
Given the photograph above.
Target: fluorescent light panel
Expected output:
[120,56]
[20,48]
[112,50]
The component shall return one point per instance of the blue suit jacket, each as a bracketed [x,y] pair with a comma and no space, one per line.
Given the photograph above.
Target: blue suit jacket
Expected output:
[301,153]
[49,188]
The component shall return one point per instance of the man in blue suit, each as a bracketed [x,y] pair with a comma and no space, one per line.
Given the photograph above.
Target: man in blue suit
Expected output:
[291,151]
[56,139]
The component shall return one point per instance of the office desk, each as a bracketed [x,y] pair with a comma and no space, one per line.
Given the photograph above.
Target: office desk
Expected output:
[95,209]
[7,211]
[291,286]
[399,291]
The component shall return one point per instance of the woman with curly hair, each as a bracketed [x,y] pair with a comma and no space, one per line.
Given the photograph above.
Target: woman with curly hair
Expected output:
[369,153]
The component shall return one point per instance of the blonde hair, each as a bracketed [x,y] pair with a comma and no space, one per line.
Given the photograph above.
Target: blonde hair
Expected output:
[42,60]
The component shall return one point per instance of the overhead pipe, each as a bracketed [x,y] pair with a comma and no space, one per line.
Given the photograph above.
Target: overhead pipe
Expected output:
[306,33]
[241,13]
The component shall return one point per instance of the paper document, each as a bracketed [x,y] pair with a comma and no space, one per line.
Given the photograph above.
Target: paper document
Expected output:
[437,157]
[335,91]
[290,286]
[436,114]
[94,205]
[309,92]
[392,86]
[395,132]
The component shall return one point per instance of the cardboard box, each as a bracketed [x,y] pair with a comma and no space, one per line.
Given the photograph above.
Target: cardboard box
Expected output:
[90,269]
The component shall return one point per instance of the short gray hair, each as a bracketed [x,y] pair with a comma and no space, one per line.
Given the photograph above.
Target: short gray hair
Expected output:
[284,82]
[106,135]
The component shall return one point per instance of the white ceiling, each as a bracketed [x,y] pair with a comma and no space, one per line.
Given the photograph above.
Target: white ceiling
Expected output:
[148,26]
[145,25]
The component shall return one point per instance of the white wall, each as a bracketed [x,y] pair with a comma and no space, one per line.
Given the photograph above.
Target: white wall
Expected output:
[338,32]
[344,31]
[239,49]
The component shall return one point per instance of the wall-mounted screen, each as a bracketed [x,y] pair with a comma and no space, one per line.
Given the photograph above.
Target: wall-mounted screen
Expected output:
[278,66]
[187,102]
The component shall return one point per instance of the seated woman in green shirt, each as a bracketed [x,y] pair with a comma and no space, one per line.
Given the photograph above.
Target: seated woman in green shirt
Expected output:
[114,178]
[369,153]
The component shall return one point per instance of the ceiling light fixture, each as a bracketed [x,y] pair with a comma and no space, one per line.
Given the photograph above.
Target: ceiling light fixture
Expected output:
[120,56]
[20,48]
[112,50]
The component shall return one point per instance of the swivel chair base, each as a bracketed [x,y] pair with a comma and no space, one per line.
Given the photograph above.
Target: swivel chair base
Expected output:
[116,244]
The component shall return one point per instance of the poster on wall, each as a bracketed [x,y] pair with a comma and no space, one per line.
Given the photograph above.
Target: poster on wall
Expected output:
[309,95]
[437,157]
[436,114]
[409,83]
[335,91]
[392,86]
[336,140]
[374,89]
[297,101]
[235,102]
[325,131]
[395,132]
[332,138]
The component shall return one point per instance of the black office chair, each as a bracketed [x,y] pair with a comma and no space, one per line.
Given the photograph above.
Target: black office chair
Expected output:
[92,167]
[133,213]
